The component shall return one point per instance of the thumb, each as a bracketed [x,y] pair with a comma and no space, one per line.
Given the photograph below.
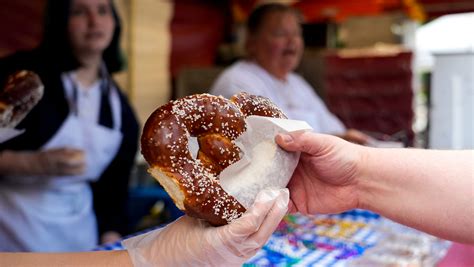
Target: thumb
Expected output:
[300,141]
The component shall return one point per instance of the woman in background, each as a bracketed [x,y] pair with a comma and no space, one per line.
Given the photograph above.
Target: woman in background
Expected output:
[66,178]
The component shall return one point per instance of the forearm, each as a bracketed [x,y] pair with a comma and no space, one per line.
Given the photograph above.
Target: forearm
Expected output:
[428,190]
[102,258]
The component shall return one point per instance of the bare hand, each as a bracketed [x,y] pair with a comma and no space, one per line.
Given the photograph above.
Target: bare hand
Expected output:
[62,161]
[325,179]
[52,162]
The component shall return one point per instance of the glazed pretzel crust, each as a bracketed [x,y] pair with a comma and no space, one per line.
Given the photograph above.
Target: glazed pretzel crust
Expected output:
[216,122]
[21,93]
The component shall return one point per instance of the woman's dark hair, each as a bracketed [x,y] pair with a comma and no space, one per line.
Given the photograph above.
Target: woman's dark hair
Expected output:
[56,42]
[258,15]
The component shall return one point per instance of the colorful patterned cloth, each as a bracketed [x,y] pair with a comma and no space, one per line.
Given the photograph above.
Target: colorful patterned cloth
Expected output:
[321,240]
[354,238]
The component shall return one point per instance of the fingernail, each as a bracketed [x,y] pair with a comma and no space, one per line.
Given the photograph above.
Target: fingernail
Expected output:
[267,195]
[286,138]
[282,201]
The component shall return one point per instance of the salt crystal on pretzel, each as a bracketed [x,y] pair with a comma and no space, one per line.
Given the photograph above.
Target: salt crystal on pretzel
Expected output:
[216,122]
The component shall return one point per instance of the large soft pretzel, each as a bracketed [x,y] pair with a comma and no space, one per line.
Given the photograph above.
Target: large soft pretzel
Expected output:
[21,93]
[215,122]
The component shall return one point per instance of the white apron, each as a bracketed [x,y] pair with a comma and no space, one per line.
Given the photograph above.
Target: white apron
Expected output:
[57,213]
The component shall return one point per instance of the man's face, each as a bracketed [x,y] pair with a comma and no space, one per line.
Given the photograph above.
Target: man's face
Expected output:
[278,45]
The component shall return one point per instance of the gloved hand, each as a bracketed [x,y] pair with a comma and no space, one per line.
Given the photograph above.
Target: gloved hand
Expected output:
[52,162]
[192,242]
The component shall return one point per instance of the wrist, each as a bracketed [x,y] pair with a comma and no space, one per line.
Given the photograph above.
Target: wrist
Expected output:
[364,178]
[13,163]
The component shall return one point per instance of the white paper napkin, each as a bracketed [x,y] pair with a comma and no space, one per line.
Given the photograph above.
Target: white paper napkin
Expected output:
[263,164]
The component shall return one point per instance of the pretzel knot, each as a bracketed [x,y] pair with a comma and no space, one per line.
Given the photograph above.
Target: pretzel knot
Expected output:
[22,91]
[216,122]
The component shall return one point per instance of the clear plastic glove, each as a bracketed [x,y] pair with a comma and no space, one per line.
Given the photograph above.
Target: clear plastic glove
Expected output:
[192,242]
[53,162]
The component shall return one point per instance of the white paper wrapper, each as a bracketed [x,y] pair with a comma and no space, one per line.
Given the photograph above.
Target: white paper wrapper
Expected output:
[8,133]
[264,164]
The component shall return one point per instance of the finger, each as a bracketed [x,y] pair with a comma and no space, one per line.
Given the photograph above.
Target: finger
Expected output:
[291,207]
[73,151]
[76,170]
[74,156]
[272,219]
[69,159]
[64,169]
[61,150]
[69,172]
[298,194]
[304,141]
[250,222]
[66,162]
[264,218]
[64,156]
[73,162]
[233,243]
